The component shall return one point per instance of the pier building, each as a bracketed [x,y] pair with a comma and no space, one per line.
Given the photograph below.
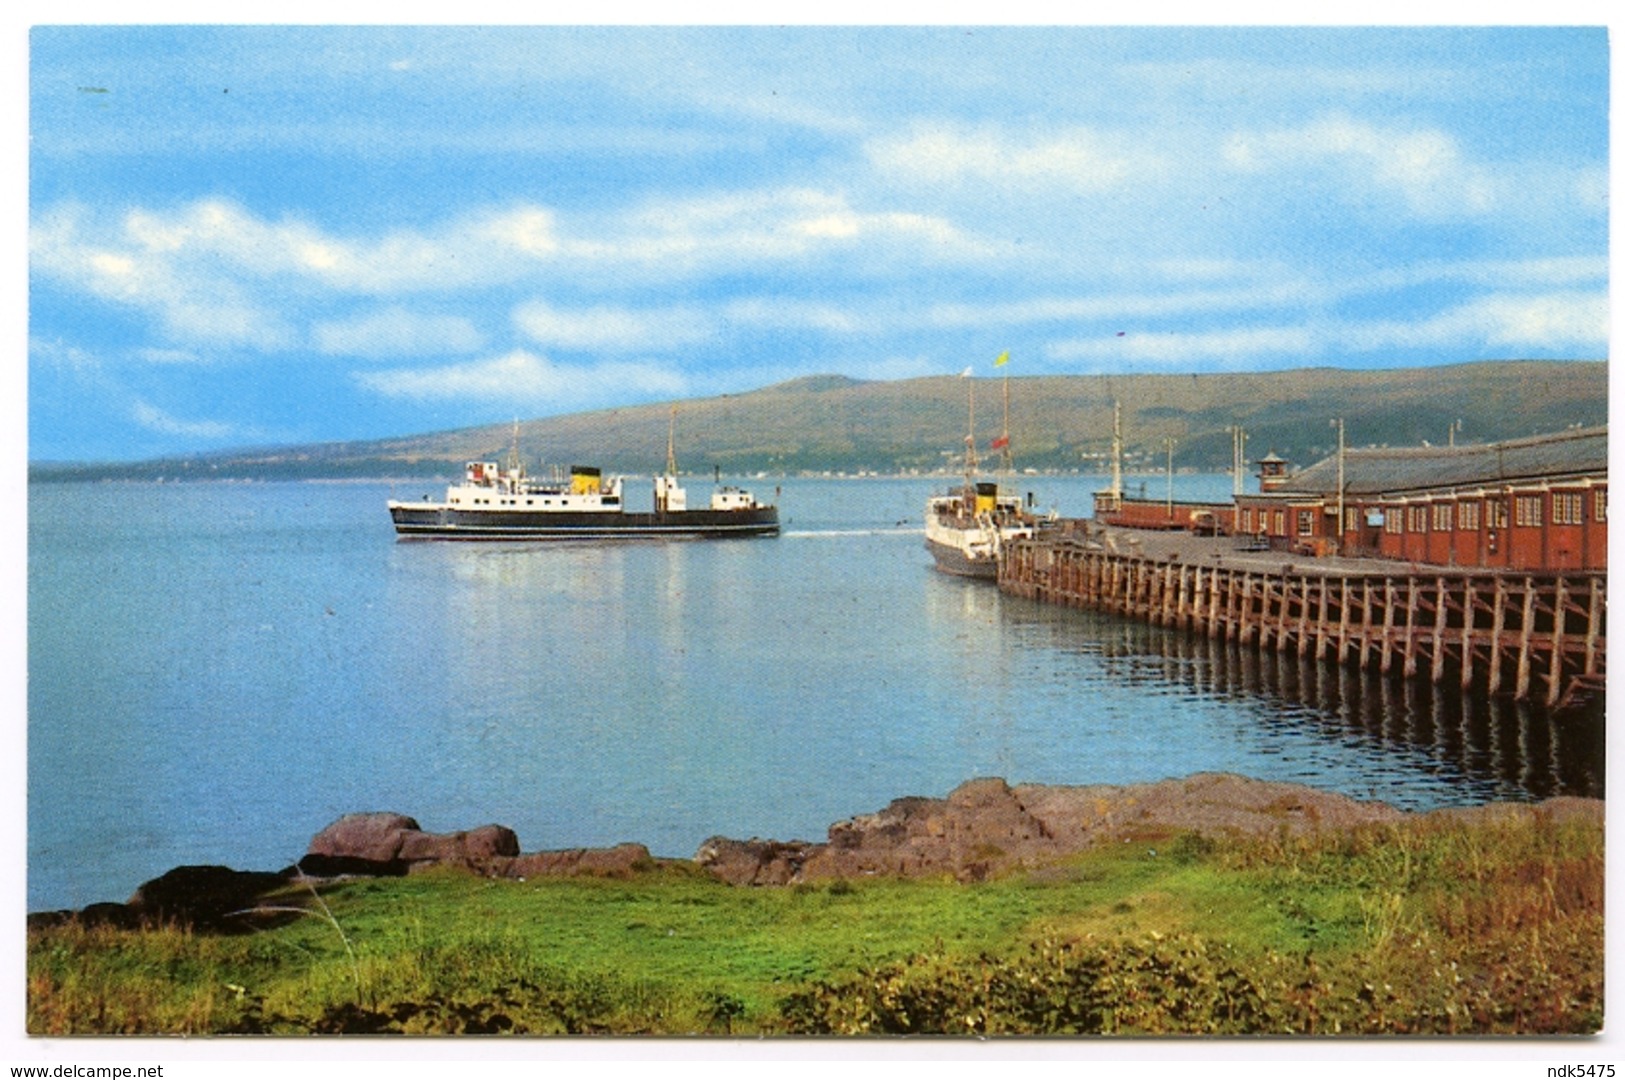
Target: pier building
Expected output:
[1538,503]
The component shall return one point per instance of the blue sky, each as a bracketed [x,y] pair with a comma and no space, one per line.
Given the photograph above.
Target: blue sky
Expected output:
[243,236]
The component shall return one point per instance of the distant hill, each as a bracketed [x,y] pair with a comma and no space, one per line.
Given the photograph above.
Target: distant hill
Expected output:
[1060,422]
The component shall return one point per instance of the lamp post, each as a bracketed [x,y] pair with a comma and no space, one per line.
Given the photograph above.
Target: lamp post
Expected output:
[1238,458]
[1338,423]
[1172,442]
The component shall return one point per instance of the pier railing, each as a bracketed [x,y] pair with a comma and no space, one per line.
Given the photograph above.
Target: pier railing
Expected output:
[1516,630]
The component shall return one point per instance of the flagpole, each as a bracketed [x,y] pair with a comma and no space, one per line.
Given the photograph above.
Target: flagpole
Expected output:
[970,434]
[1009,459]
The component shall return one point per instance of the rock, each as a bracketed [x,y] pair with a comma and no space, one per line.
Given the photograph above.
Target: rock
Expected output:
[980,825]
[102,914]
[476,849]
[1205,803]
[985,826]
[203,897]
[393,844]
[753,862]
[621,861]
[385,845]
[359,844]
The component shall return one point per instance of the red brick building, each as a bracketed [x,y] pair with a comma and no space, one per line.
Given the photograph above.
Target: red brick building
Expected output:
[1539,503]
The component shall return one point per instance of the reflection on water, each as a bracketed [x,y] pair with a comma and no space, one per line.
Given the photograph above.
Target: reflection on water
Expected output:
[1517,749]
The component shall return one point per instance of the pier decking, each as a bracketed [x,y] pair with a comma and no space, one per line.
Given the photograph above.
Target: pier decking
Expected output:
[1523,631]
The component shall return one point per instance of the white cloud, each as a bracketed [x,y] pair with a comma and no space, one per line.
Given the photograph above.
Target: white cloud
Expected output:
[478,249]
[1499,325]
[1556,271]
[1591,189]
[1075,158]
[168,357]
[213,245]
[212,271]
[63,356]
[1576,321]
[397,332]
[524,378]
[138,263]
[1120,308]
[1552,320]
[613,328]
[771,226]
[155,419]
[1424,166]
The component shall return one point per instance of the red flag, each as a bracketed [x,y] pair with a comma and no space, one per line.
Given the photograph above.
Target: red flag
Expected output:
[1000,443]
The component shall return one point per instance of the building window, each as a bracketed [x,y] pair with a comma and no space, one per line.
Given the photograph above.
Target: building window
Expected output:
[1351,519]
[1280,523]
[1526,510]
[1467,517]
[1442,513]
[1306,523]
[1247,520]
[1495,511]
[1568,508]
[1599,505]
[1394,520]
[1419,519]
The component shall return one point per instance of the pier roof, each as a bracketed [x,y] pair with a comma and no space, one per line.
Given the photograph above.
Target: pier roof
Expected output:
[1384,470]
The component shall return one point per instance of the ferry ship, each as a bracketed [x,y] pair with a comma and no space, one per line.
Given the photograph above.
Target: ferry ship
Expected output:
[966,528]
[493,503]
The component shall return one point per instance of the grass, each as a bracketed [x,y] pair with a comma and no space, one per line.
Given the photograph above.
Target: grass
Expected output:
[1432,926]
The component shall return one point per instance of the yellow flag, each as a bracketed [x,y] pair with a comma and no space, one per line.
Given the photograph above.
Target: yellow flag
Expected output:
[1004,358]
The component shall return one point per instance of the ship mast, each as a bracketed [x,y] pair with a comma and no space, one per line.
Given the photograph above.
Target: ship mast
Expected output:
[671,444]
[970,436]
[1117,452]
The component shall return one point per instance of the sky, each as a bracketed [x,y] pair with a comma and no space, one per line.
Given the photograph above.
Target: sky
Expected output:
[275,235]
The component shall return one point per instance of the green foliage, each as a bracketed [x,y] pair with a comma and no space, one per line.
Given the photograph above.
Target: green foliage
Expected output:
[1432,926]
[1185,985]
[1155,986]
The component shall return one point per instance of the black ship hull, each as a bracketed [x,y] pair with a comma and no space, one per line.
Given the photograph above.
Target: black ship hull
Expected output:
[446,523]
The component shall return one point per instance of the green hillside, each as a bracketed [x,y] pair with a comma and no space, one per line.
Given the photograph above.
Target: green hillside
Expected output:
[833,423]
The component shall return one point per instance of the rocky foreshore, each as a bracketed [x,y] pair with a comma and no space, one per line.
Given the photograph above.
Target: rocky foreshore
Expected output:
[982,828]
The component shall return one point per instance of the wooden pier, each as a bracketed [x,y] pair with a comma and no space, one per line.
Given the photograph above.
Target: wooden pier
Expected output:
[1527,633]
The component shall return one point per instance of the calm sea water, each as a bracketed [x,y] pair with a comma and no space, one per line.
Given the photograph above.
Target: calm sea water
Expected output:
[217,671]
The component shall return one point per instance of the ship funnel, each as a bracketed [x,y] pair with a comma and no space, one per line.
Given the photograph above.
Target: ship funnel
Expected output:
[585,480]
[987,494]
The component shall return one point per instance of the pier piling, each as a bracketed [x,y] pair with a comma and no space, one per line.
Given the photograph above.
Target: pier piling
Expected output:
[1547,631]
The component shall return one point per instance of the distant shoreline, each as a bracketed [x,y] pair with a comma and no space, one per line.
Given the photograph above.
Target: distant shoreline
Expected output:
[1058,424]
